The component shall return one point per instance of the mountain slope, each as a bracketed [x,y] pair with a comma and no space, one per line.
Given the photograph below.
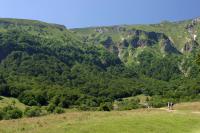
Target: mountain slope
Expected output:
[177,40]
[179,33]
[54,32]
[46,64]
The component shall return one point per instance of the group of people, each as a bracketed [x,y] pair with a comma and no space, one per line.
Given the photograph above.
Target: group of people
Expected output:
[170,105]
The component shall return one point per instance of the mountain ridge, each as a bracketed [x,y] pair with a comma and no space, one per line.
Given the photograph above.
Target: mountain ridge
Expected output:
[149,28]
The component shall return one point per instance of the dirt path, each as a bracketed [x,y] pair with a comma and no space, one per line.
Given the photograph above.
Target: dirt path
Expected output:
[180,111]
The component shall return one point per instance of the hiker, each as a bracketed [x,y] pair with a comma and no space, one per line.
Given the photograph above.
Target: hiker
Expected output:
[172,104]
[168,105]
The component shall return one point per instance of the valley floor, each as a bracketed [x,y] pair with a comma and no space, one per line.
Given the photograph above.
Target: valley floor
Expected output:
[137,121]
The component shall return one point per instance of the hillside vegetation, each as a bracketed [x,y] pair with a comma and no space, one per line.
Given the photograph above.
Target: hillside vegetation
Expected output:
[48,65]
[4,101]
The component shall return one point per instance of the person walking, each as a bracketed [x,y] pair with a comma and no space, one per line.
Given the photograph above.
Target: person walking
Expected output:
[168,105]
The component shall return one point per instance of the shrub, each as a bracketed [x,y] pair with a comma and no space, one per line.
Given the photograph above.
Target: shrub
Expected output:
[129,104]
[33,111]
[15,114]
[51,108]
[106,106]
[59,110]
[11,112]
[84,107]
[1,98]
[2,114]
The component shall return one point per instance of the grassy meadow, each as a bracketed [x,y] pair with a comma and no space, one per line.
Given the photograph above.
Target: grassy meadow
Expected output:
[135,121]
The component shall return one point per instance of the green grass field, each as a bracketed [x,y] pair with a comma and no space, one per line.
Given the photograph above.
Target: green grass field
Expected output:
[136,121]
[185,118]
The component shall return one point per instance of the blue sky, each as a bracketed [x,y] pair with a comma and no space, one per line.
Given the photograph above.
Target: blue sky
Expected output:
[84,13]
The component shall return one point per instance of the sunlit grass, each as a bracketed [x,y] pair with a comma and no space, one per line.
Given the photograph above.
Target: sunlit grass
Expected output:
[138,121]
[5,101]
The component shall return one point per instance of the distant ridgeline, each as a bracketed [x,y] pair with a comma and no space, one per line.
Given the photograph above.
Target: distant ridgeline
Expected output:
[46,64]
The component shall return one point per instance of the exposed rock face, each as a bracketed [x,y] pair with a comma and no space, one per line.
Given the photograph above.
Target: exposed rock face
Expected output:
[143,38]
[108,42]
[192,42]
[191,28]
[190,46]
[110,45]
[138,38]
[192,31]
[168,46]
[140,43]
[124,44]
[196,20]
[187,47]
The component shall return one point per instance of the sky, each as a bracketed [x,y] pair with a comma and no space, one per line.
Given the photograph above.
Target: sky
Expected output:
[87,13]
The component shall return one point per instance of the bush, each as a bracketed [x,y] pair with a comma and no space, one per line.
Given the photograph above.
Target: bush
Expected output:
[84,107]
[2,114]
[11,112]
[157,104]
[59,110]
[33,111]
[129,104]
[15,114]
[106,106]
[51,108]
[1,98]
